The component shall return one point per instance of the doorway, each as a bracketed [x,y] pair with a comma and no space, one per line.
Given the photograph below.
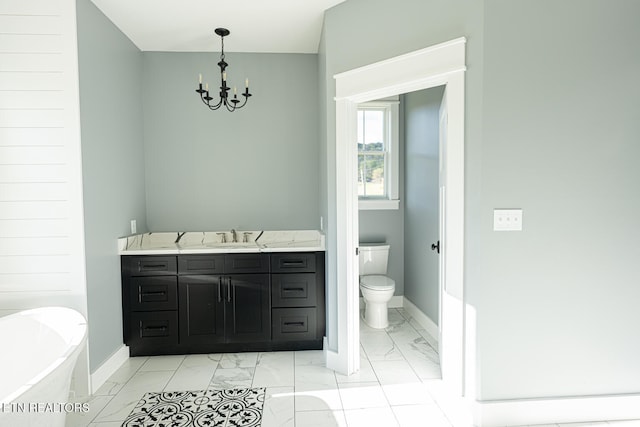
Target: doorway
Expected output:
[439,65]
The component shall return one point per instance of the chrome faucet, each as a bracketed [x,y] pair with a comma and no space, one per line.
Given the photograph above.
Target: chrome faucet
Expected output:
[223,237]
[234,236]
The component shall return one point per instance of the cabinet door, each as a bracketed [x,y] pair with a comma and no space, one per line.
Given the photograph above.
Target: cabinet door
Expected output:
[248,309]
[201,309]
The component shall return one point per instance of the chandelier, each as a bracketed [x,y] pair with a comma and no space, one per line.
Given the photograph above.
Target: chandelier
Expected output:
[230,104]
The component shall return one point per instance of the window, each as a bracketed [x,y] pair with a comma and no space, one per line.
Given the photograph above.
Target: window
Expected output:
[378,163]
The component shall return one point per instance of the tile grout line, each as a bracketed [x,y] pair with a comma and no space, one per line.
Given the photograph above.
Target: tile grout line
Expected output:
[121,388]
[294,389]
[213,375]
[164,389]
[405,359]
[342,408]
[395,343]
[421,379]
[377,378]
[409,318]
[96,415]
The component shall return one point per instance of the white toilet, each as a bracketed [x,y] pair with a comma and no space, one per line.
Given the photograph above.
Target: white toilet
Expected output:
[377,289]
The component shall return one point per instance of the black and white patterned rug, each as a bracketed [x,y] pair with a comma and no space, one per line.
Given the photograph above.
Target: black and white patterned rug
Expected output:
[240,407]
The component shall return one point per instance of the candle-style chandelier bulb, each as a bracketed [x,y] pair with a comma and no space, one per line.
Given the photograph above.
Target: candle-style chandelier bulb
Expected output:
[230,104]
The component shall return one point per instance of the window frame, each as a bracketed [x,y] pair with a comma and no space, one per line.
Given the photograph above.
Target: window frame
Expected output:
[391,107]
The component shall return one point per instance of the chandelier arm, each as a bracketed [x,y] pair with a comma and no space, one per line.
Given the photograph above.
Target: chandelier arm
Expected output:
[205,101]
[243,104]
[230,108]
[215,107]
[246,98]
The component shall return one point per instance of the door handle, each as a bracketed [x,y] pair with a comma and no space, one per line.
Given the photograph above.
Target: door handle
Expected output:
[436,246]
[228,289]
[219,290]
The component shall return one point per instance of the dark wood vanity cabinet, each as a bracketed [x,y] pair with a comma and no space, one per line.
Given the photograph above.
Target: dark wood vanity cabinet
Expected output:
[223,302]
[224,309]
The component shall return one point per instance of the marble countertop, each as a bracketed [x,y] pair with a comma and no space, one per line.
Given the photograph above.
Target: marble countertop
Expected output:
[203,242]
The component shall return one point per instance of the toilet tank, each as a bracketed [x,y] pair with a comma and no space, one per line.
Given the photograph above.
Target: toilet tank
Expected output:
[373,258]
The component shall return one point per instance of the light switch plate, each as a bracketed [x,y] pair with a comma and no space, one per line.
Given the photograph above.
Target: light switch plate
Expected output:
[133,226]
[507,220]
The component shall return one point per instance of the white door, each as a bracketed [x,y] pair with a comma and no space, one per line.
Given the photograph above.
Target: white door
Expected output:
[442,154]
[451,321]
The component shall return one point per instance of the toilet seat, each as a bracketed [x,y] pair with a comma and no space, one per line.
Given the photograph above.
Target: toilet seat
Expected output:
[377,283]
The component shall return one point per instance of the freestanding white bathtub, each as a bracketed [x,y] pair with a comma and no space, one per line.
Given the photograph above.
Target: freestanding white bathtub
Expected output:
[39,350]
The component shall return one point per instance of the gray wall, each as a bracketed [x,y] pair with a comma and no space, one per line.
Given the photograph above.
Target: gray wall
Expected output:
[255,168]
[110,69]
[551,126]
[558,303]
[421,124]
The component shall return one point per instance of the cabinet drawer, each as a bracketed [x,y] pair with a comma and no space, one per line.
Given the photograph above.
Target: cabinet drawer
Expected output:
[293,290]
[153,293]
[289,324]
[153,330]
[149,265]
[246,263]
[201,264]
[293,263]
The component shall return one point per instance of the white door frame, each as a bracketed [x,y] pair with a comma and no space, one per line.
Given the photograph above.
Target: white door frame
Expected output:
[442,64]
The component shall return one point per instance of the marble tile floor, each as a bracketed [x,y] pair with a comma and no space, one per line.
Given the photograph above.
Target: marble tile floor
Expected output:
[397,383]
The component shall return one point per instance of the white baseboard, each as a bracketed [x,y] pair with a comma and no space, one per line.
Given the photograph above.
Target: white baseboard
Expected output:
[394,302]
[421,318]
[108,368]
[560,410]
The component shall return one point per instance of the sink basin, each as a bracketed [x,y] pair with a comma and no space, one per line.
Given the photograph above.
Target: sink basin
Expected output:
[218,240]
[230,245]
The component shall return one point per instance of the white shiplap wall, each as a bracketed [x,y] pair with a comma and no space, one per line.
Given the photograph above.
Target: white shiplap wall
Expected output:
[41,216]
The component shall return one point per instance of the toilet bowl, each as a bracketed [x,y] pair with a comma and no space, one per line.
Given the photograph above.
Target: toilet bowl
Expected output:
[377,289]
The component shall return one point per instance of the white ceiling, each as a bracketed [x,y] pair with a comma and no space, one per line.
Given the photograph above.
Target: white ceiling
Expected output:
[187,25]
